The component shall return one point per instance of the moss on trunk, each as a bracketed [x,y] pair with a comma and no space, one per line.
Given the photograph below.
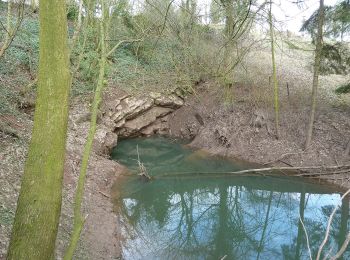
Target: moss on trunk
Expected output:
[39,204]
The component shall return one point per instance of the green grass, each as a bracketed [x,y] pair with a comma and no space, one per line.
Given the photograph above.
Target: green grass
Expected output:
[343,89]
[6,216]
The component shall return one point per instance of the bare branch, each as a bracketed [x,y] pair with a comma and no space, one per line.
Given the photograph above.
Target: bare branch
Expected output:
[120,43]
[329,227]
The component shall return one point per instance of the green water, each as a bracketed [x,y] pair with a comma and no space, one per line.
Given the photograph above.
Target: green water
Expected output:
[196,216]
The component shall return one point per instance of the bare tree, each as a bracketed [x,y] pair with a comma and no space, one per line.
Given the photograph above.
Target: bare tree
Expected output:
[319,44]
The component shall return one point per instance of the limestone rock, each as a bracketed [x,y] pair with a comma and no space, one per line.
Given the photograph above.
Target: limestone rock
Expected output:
[134,126]
[172,101]
[131,107]
[104,141]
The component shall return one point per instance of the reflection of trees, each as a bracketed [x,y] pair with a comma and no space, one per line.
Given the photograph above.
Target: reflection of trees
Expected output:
[300,226]
[265,226]
[344,218]
[316,231]
[205,219]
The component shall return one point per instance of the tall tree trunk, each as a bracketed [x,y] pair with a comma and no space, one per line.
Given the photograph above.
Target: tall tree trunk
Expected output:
[274,76]
[39,204]
[78,214]
[319,44]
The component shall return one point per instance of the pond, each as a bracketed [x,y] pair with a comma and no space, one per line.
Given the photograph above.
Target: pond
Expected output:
[191,211]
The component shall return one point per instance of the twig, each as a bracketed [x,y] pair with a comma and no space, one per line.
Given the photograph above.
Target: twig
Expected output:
[282,156]
[104,194]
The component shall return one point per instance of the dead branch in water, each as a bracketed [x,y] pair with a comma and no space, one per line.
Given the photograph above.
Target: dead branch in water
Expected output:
[332,167]
[310,174]
[305,171]
[143,171]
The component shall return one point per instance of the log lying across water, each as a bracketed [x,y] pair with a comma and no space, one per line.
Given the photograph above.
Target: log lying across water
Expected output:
[305,171]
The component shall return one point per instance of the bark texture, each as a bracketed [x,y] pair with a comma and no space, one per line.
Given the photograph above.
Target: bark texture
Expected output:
[39,204]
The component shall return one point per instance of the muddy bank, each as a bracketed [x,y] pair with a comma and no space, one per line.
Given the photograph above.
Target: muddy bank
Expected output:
[245,130]
[122,115]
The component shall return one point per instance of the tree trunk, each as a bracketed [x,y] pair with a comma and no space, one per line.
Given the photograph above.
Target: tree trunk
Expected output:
[318,50]
[78,214]
[274,76]
[39,204]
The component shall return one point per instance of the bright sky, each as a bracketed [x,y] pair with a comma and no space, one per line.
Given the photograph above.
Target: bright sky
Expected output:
[292,16]
[286,12]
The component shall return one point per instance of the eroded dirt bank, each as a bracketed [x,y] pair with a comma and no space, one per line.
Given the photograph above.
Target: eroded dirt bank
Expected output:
[245,130]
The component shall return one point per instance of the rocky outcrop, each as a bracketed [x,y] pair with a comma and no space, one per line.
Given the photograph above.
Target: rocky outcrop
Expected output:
[130,116]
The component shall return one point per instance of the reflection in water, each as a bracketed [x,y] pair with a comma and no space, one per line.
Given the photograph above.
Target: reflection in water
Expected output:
[207,217]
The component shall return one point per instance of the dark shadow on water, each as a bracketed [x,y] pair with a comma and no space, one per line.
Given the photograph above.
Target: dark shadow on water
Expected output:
[198,216]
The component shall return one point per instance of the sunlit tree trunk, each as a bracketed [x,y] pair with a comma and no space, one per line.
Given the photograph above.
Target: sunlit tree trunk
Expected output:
[274,76]
[318,50]
[39,204]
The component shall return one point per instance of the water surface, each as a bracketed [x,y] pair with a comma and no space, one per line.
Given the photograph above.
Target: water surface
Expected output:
[201,215]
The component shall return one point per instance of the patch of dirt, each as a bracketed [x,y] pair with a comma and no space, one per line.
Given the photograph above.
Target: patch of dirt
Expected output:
[246,130]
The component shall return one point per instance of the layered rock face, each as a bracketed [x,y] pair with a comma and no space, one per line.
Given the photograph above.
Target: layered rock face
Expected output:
[132,116]
[124,116]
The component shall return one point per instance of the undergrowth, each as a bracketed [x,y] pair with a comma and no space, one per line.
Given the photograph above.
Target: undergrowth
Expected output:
[343,89]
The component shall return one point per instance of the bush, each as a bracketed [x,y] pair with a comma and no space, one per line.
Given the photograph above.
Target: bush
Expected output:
[343,89]
[335,59]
